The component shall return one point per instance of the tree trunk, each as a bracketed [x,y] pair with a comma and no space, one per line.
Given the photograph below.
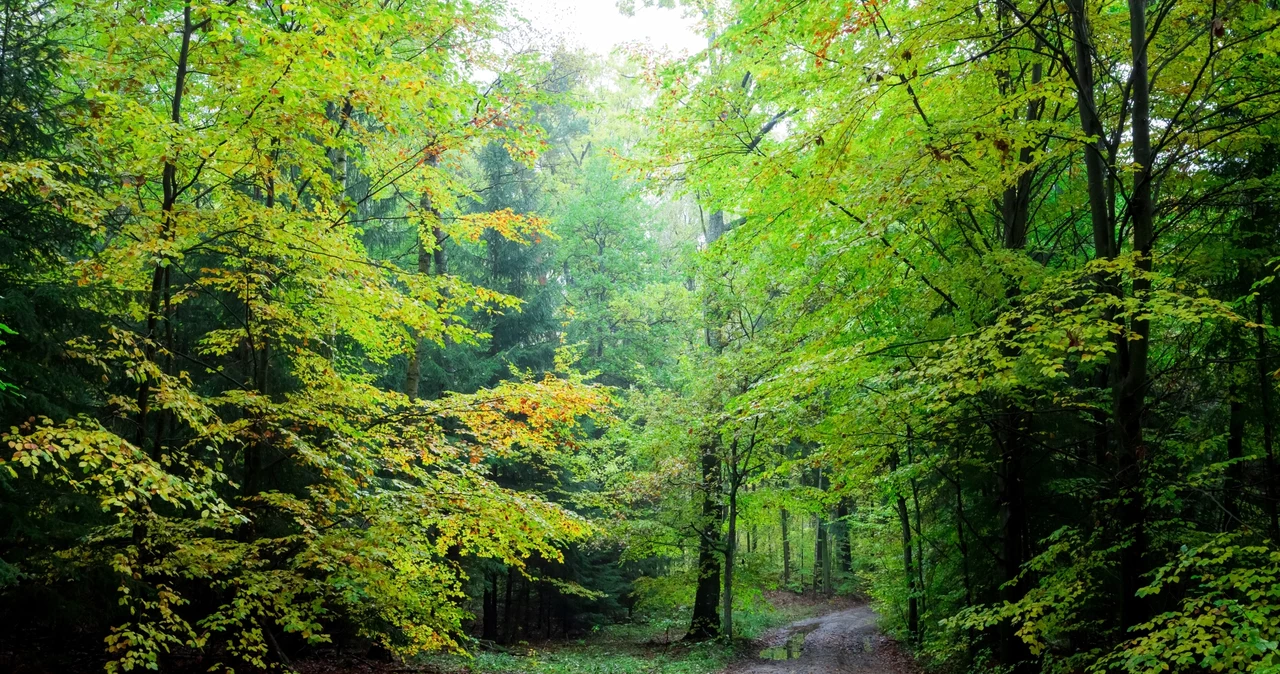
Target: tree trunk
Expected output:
[159,276]
[963,545]
[705,623]
[904,521]
[508,624]
[489,631]
[919,525]
[1091,125]
[1013,524]
[427,254]
[800,565]
[919,537]
[786,552]
[730,548]
[819,551]
[1265,387]
[842,537]
[1233,486]
[523,627]
[1132,385]
[913,611]
[819,541]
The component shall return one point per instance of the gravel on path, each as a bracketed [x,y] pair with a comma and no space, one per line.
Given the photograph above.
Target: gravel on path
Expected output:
[838,642]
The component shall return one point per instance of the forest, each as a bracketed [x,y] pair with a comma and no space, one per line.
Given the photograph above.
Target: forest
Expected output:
[399,335]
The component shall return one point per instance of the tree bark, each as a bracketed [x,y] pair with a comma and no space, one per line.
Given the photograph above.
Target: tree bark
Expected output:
[705,623]
[1132,384]
[904,521]
[1233,486]
[1013,524]
[730,550]
[1091,125]
[786,552]
[159,276]
[489,631]
[819,542]
[1265,387]
[963,546]
[427,255]
[842,537]
[508,613]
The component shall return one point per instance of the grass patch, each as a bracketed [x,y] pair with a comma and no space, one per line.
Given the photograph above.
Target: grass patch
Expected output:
[702,659]
[650,647]
[631,649]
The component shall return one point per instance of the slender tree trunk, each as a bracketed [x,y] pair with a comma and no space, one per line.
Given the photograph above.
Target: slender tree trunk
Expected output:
[489,631]
[800,567]
[915,505]
[545,598]
[170,191]
[904,521]
[1015,215]
[919,533]
[819,541]
[786,552]
[523,628]
[1015,206]
[819,551]
[963,546]
[428,253]
[1100,202]
[1265,387]
[730,549]
[1233,486]
[1012,515]
[1132,385]
[913,611]
[508,613]
[842,537]
[827,537]
[1091,125]
[166,416]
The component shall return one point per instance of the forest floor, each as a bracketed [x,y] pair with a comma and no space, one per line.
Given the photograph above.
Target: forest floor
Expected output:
[812,635]
[845,640]
[825,635]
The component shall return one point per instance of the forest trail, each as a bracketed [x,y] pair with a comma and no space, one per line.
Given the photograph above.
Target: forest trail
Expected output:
[842,641]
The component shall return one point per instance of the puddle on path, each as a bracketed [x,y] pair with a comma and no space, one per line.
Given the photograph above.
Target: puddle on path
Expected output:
[789,651]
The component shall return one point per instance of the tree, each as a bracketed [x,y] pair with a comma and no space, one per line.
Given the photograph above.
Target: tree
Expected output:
[253,482]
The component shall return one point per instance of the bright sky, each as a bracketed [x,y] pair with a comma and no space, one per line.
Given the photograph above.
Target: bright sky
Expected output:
[598,26]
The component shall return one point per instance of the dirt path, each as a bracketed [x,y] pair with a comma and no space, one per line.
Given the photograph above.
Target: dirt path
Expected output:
[843,641]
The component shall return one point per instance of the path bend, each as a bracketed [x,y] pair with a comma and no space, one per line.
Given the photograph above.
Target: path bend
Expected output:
[844,641]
